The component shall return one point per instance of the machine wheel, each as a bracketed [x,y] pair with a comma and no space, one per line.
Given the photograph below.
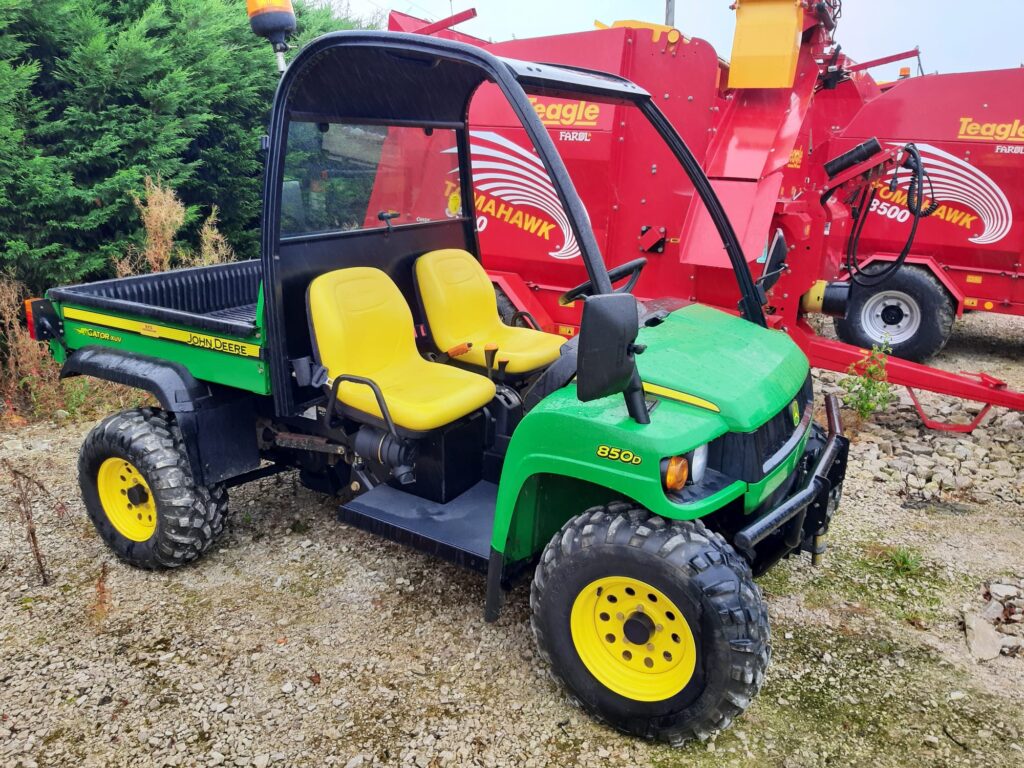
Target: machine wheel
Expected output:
[506,309]
[655,627]
[912,309]
[139,493]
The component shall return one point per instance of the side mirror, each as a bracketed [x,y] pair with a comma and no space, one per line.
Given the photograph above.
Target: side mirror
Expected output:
[606,362]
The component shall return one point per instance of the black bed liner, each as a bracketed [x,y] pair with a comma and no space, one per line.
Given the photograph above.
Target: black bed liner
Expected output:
[219,298]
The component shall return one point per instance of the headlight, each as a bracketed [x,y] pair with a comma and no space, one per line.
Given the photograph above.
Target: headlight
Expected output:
[698,464]
[679,471]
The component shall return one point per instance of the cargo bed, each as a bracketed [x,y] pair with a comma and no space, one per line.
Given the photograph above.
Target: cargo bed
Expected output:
[220,298]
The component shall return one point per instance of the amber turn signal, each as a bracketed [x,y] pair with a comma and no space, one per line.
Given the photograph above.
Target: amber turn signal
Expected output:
[677,470]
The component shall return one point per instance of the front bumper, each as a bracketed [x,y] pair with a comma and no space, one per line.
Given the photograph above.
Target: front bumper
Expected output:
[804,516]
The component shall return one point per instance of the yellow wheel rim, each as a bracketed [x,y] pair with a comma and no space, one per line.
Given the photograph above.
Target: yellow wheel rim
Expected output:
[633,639]
[126,499]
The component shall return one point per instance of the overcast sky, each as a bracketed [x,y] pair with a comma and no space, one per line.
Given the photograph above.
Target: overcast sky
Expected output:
[954,35]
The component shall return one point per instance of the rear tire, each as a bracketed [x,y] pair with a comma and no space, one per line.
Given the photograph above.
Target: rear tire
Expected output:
[139,493]
[912,308]
[682,649]
[506,309]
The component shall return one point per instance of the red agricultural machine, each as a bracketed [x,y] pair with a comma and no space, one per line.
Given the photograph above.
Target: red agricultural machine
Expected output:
[808,154]
[966,256]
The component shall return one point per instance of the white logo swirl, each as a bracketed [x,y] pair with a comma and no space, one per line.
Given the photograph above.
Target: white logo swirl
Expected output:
[956,181]
[506,171]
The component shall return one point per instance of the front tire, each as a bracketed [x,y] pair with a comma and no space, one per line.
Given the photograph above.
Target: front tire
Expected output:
[655,627]
[139,493]
[911,310]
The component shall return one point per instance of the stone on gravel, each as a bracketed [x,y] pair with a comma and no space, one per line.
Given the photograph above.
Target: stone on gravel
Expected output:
[983,640]
[1012,645]
[1004,592]
[992,612]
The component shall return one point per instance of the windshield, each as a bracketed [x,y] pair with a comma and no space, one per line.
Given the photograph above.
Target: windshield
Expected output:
[340,177]
[625,174]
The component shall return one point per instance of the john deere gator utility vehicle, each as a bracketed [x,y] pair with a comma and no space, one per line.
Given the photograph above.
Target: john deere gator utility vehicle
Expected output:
[644,471]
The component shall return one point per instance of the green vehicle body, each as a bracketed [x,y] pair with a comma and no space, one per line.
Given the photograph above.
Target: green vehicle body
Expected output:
[106,329]
[747,373]
[698,351]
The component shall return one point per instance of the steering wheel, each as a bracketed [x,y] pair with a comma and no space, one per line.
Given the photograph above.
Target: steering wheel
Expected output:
[630,269]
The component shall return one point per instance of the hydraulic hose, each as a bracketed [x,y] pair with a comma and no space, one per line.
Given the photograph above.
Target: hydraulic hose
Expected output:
[918,210]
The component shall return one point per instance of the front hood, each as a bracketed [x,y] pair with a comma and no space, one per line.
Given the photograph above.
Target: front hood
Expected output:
[750,373]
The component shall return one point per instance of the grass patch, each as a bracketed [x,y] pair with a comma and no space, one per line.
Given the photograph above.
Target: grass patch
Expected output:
[777,581]
[895,561]
[895,581]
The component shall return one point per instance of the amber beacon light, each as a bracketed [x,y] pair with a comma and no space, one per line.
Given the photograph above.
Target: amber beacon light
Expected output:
[274,20]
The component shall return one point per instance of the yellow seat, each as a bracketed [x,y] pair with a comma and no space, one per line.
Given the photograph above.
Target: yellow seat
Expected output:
[362,326]
[461,308]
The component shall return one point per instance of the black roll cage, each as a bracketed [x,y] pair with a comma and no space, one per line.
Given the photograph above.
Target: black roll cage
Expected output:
[512,77]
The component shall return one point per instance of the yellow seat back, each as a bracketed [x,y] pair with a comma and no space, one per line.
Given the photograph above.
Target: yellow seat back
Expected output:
[458,297]
[361,323]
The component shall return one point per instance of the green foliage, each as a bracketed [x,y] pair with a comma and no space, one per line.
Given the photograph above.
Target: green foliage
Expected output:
[867,385]
[95,96]
[898,561]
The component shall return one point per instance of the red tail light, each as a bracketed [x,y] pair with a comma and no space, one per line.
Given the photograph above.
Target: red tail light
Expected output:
[29,319]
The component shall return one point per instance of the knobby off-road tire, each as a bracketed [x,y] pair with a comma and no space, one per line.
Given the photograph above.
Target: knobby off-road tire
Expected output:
[911,309]
[506,309]
[719,646]
[137,485]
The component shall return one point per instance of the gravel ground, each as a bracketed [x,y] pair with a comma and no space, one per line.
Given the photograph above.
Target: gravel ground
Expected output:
[300,641]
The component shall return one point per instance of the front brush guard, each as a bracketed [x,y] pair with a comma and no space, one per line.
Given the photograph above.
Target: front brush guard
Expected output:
[792,511]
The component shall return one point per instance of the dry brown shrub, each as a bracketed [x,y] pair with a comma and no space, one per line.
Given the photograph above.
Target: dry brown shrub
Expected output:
[213,246]
[30,385]
[28,374]
[132,263]
[163,216]
[100,606]
[28,488]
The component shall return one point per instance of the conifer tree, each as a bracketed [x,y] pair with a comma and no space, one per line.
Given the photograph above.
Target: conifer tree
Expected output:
[97,96]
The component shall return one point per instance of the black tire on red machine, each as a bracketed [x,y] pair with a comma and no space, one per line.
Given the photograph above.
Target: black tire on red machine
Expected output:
[911,311]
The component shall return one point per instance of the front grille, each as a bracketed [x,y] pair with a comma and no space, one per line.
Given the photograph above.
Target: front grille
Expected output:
[743,455]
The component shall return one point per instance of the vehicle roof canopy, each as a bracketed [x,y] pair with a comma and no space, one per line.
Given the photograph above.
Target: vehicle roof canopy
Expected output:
[389,77]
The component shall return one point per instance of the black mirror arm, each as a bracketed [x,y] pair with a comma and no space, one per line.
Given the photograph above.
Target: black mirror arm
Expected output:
[636,403]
